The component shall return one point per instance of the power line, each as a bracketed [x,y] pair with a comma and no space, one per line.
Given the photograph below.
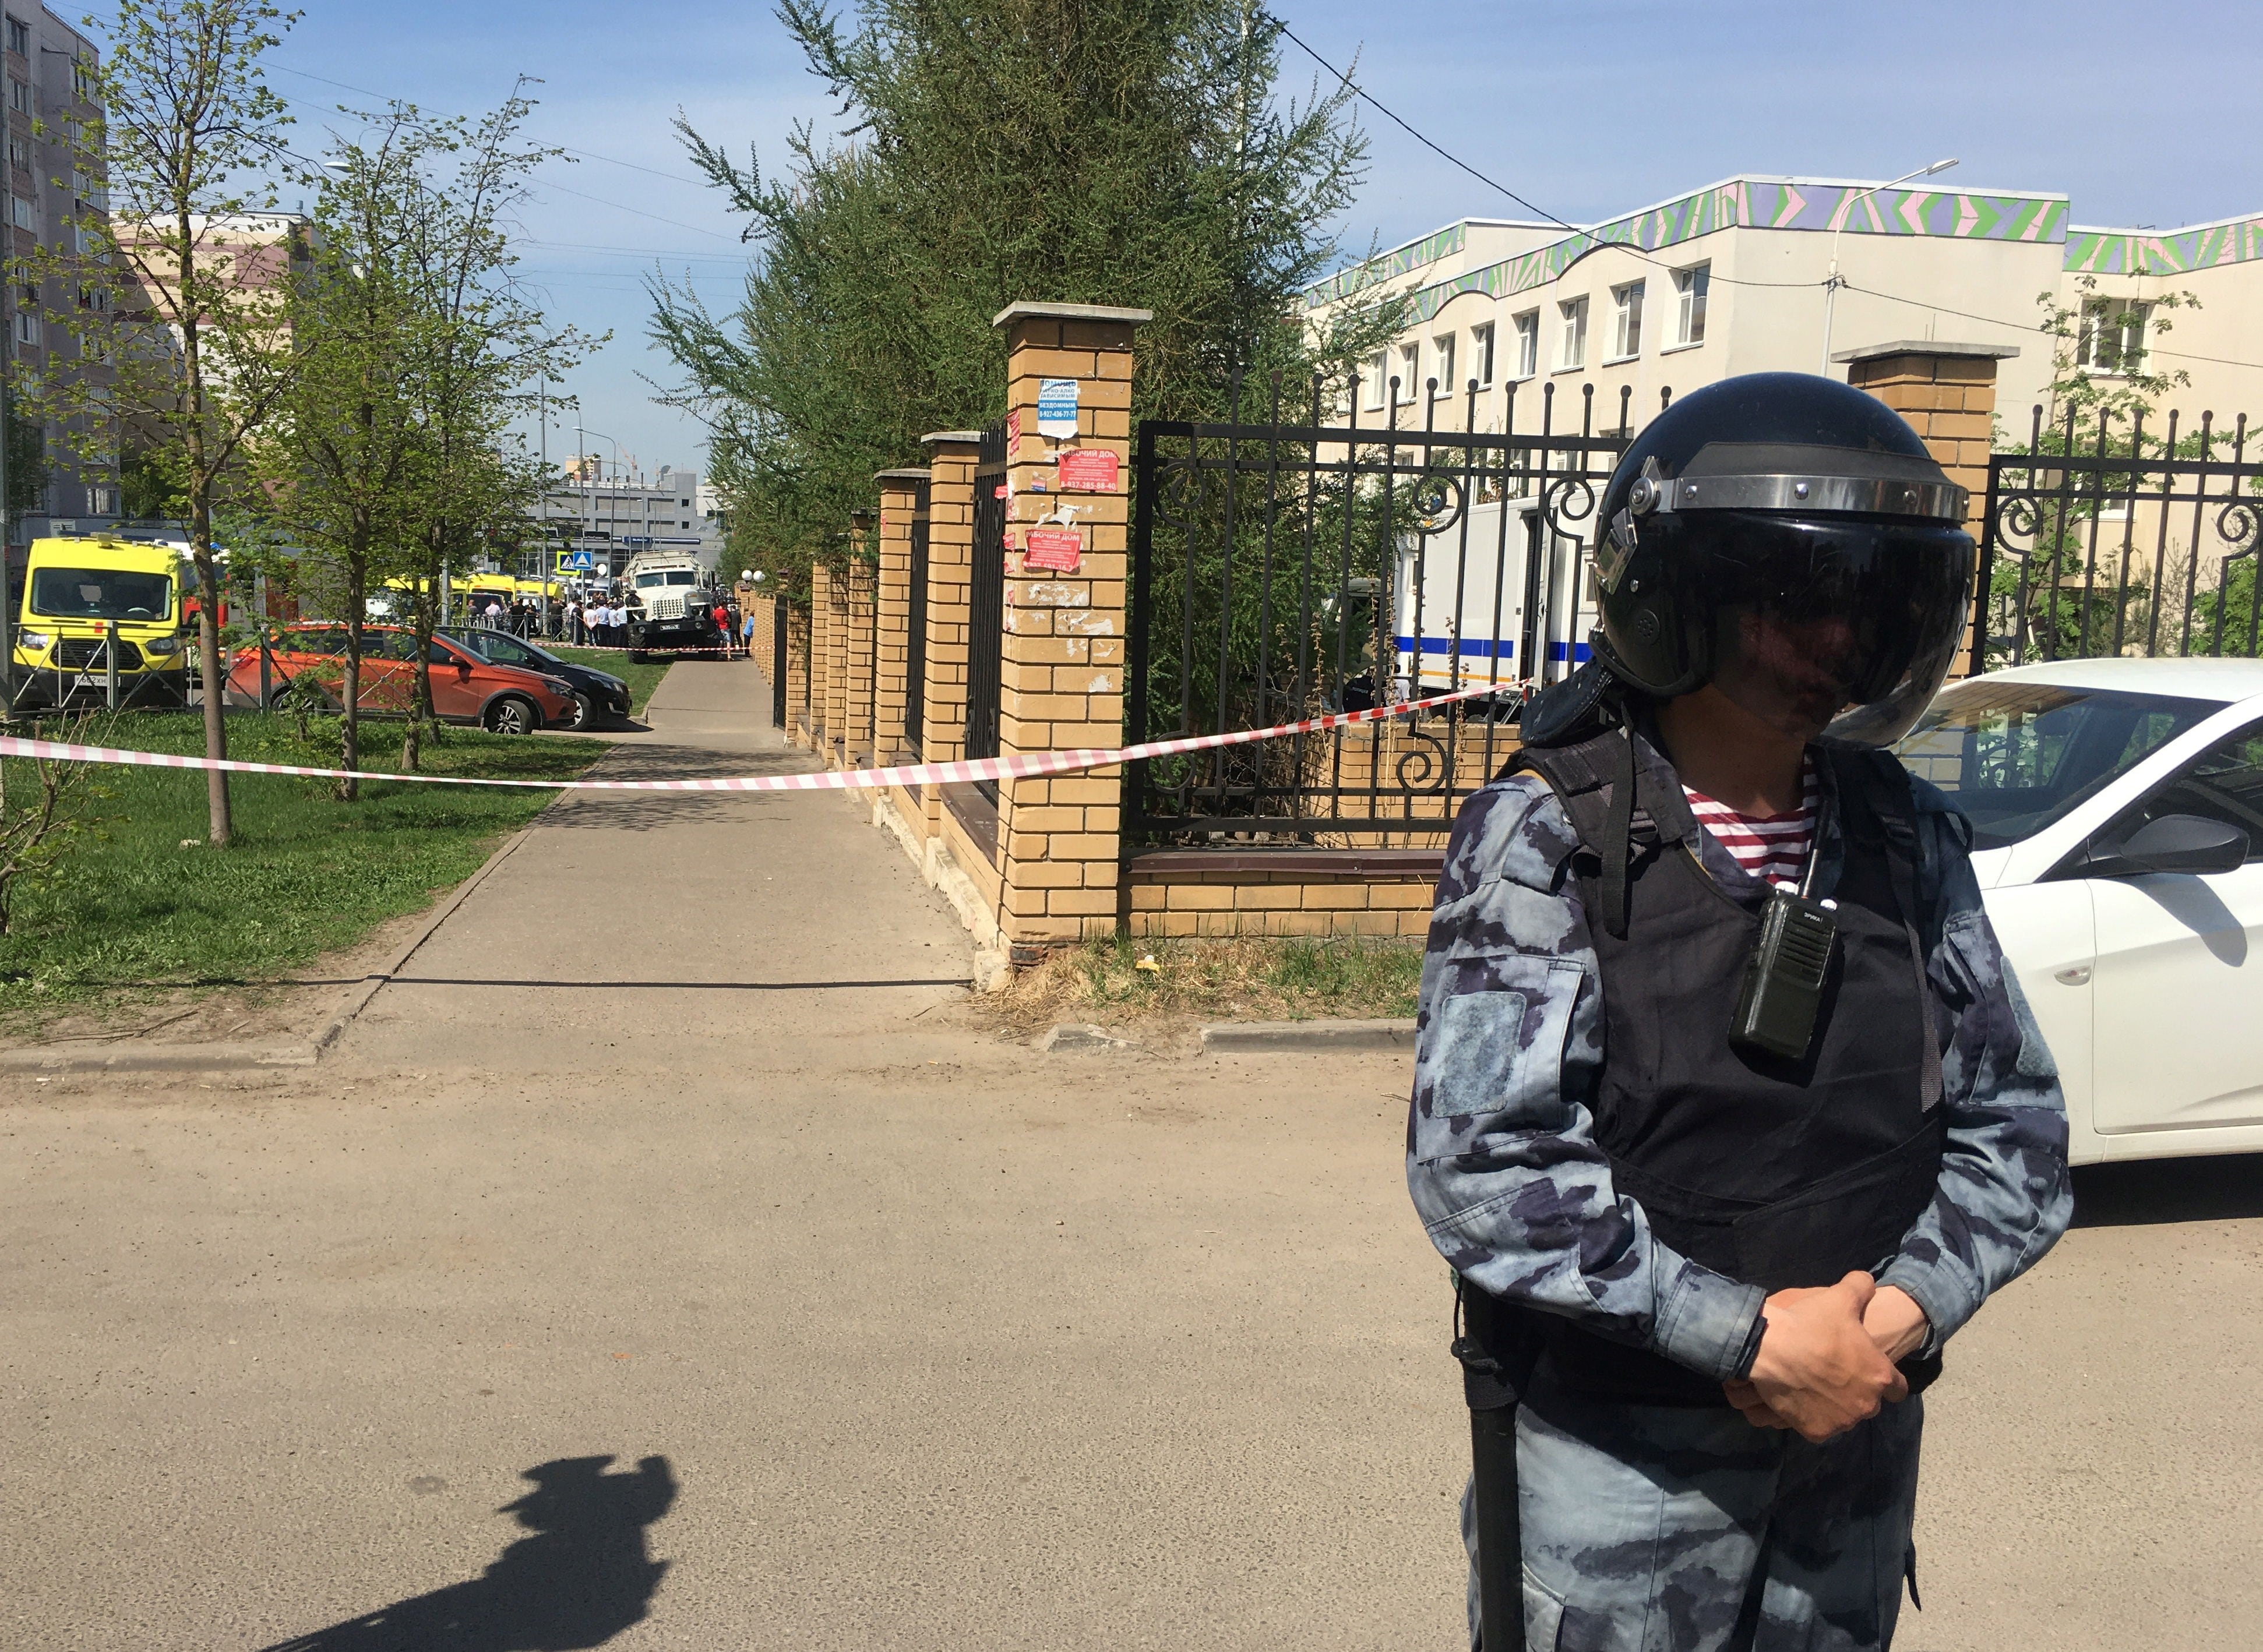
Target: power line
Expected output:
[1368,97]
[2029,326]
[584,154]
[618,206]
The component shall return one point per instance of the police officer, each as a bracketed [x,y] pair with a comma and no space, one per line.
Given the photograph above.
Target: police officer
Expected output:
[1727,1113]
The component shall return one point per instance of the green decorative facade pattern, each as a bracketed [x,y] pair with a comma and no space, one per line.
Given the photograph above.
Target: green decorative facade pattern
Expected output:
[1399,262]
[1742,203]
[2140,252]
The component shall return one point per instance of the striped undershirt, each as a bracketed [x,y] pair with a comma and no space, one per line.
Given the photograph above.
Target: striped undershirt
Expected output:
[1771,847]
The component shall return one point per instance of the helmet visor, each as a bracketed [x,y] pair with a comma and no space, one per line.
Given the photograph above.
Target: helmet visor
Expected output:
[1848,623]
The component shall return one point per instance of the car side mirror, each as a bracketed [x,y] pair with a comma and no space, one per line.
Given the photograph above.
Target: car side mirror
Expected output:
[2173,843]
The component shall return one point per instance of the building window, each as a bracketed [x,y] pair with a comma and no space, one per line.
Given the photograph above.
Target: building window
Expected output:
[1370,381]
[1481,354]
[1528,343]
[1410,361]
[1441,363]
[1626,322]
[82,80]
[27,212]
[27,327]
[20,153]
[1571,349]
[19,96]
[19,37]
[102,502]
[2113,336]
[1690,289]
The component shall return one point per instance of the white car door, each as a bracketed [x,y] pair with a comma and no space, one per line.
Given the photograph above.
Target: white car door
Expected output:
[2178,983]
[2048,937]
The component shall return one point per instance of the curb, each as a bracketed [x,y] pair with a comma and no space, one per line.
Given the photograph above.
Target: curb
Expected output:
[1247,1038]
[237,1057]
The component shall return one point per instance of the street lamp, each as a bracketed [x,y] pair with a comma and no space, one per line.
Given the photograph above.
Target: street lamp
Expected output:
[1832,283]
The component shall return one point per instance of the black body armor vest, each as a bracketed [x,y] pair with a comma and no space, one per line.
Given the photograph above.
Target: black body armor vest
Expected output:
[1778,1173]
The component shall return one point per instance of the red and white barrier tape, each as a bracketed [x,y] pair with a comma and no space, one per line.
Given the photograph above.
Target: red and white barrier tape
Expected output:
[1019,766]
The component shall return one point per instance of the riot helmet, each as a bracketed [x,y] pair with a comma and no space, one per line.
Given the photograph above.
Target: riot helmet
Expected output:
[1788,539]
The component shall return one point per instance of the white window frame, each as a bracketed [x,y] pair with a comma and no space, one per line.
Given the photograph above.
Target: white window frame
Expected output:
[1626,322]
[1441,363]
[1410,372]
[1373,372]
[1692,287]
[2109,319]
[25,213]
[1571,335]
[19,31]
[1481,346]
[27,326]
[1527,326]
[19,96]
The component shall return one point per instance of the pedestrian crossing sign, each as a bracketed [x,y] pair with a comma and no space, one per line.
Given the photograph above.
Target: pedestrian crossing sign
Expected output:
[580,562]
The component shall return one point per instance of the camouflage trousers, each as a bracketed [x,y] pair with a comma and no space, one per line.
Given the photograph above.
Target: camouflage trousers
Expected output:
[1668,1529]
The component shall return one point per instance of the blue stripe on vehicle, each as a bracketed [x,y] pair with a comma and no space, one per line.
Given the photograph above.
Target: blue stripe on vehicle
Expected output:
[1472,648]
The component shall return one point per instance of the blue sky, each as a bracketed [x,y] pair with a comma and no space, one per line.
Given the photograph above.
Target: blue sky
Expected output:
[1587,107]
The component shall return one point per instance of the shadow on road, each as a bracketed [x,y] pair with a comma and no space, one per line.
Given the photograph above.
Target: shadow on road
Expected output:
[2222,1188]
[579,1580]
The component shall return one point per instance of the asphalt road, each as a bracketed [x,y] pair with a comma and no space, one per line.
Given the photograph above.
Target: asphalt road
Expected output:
[754,1299]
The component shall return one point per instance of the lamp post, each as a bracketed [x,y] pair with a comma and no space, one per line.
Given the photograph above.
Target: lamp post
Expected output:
[581,435]
[1832,283]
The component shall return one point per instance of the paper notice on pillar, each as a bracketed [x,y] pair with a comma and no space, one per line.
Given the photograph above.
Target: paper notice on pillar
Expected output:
[1057,408]
[1013,431]
[1090,470]
[1055,550]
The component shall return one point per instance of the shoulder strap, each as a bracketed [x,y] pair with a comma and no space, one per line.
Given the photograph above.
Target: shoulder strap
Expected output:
[1874,789]
[1595,781]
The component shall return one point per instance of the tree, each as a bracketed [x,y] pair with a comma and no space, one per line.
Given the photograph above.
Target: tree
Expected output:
[348,441]
[1123,152]
[173,297]
[480,345]
[2103,392]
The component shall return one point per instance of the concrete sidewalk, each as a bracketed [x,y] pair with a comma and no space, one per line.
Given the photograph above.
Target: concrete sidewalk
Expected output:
[762,1306]
[630,934]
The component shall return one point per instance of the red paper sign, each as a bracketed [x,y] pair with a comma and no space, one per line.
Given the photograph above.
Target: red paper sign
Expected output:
[1012,431]
[1056,550]
[1090,470]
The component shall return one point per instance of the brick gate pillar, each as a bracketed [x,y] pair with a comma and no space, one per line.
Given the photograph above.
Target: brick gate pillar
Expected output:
[857,683]
[795,618]
[1061,681]
[892,657]
[1947,393]
[836,680]
[820,654]
[952,455]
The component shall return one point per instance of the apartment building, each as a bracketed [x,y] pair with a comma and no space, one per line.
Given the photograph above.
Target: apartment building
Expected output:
[598,514]
[49,102]
[1738,277]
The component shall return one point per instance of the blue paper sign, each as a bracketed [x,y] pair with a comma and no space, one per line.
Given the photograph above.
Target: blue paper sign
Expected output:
[1057,406]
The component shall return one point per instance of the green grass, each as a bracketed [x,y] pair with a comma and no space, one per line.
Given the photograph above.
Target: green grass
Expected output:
[127,909]
[642,677]
[1249,979]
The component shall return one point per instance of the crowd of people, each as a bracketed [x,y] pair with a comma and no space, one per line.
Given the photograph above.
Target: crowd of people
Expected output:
[596,618]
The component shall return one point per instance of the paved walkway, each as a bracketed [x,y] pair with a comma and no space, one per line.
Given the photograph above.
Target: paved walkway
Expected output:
[631,933]
[753,1299]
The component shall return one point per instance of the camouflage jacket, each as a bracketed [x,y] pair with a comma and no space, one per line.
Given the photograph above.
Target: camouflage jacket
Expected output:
[1501,1151]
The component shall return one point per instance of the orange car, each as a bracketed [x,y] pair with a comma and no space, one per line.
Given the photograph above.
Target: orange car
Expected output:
[466,688]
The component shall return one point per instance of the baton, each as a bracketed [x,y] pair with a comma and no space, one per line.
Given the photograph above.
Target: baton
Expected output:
[1498,1346]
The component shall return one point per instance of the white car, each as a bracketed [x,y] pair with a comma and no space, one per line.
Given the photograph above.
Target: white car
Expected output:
[2118,814]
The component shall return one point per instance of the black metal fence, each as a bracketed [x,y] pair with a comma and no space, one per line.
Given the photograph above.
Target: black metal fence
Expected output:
[2121,539]
[986,599]
[1281,569]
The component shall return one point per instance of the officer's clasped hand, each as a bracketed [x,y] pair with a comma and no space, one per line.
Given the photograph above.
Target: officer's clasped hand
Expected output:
[1819,1371]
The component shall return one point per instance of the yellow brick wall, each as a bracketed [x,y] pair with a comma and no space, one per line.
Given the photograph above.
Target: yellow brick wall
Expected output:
[1062,654]
[860,590]
[1279,903]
